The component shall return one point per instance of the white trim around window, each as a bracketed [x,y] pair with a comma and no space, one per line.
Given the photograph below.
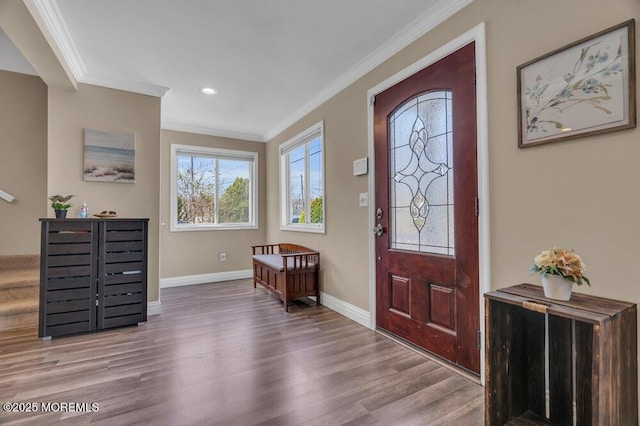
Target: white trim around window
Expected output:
[312,180]
[217,154]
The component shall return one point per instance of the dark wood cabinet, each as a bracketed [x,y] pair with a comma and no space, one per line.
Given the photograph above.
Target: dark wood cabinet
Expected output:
[93,274]
[589,362]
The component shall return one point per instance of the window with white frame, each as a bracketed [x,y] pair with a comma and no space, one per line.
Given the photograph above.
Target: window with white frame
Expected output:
[213,188]
[302,181]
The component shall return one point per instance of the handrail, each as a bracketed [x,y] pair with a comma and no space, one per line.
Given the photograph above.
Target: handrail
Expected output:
[7,197]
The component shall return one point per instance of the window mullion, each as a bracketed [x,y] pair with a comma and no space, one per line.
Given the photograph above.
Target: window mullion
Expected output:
[217,190]
[289,209]
[250,217]
[307,182]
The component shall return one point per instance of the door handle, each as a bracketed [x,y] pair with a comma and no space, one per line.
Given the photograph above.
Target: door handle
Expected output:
[378,230]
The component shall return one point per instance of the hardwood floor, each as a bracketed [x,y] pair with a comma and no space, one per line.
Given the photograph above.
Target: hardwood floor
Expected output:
[227,354]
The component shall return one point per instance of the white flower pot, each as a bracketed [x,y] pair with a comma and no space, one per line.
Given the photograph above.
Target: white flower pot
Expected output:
[556,287]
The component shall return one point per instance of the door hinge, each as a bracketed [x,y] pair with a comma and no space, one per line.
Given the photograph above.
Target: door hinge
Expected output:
[479,337]
[97,303]
[477,206]
[372,101]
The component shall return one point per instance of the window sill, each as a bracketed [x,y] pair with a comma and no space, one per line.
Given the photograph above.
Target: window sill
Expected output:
[191,228]
[303,228]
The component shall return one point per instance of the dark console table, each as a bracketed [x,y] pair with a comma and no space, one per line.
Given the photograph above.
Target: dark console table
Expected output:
[93,274]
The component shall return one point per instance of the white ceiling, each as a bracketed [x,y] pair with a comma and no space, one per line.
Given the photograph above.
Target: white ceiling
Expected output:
[271,61]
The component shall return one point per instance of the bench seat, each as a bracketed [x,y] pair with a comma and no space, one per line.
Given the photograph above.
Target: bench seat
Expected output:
[288,270]
[275,261]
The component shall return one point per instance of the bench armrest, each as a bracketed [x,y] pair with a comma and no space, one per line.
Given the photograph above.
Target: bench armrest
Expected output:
[301,260]
[264,249]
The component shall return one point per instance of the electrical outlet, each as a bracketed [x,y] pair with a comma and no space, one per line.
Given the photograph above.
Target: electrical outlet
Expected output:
[223,256]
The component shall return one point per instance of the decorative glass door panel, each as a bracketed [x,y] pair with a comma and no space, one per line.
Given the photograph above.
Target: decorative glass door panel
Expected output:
[421,170]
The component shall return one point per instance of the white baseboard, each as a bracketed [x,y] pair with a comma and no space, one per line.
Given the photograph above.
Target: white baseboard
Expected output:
[154,308]
[348,310]
[205,278]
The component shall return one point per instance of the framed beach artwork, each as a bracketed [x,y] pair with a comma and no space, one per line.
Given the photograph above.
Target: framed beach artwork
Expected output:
[109,156]
[585,88]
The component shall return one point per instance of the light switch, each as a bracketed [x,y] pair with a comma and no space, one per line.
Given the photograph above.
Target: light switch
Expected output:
[363,199]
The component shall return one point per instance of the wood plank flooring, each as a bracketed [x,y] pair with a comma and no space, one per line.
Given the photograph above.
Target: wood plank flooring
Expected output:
[228,354]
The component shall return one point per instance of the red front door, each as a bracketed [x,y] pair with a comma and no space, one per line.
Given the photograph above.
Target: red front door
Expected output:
[427,281]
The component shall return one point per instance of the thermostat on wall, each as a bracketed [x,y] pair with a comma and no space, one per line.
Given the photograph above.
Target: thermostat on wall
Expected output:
[360,167]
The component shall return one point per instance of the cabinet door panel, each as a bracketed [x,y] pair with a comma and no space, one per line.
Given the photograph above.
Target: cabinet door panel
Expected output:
[68,277]
[122,273]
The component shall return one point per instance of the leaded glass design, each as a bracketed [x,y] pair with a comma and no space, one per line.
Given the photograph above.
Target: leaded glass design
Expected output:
[421,170]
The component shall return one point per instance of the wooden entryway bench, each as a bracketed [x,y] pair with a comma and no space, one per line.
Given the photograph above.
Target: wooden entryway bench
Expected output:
[289,271]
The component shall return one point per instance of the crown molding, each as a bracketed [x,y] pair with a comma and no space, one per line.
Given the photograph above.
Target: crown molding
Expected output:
[127,86]
[53,26]
[56,28]
[52,23]
[414,30]
[188,128]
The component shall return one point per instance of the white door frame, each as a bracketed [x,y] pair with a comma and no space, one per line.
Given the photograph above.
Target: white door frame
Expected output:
[477,35]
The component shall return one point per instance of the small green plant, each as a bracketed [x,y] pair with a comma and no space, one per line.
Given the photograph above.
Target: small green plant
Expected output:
[59,202]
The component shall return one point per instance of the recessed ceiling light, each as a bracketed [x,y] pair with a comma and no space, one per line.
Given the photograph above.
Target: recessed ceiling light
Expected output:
[208,91]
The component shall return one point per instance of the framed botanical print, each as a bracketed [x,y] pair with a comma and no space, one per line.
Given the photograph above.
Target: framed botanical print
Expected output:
[585,88]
